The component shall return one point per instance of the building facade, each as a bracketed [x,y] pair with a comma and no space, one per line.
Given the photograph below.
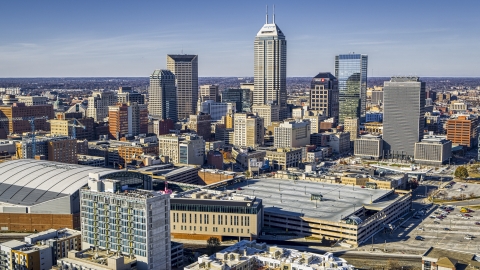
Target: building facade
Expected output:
[324,95]
[127,120]
[162,95]
[127,94]
[269,113]
[133,223]
[98,105]
[403,114]
[201,124]
[209,92]
[284,158]
[351,72]
[185,69]
[241,97]
[248,130]
[292,134]
[368,146]
[217,110]
[434,150]
[462,130]
[200,214]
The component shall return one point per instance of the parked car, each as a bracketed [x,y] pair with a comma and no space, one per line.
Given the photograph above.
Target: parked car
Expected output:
[477,223]
[419,238]
[446,229]
[468,215]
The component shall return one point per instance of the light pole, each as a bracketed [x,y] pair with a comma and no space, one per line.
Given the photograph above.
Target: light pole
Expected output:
[339,194]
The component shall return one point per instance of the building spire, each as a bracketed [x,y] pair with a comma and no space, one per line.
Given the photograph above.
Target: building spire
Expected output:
[273,14]
[266,15]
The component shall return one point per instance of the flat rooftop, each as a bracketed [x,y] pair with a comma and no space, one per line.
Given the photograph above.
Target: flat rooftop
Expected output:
[294,197]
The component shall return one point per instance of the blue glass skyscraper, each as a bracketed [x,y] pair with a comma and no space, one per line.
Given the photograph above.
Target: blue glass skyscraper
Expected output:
[351,72]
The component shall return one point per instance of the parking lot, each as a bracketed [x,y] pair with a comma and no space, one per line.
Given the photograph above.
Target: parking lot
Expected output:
[459,189]
[449,232]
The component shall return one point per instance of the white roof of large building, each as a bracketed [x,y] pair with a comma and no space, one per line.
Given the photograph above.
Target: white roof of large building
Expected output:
[29,181]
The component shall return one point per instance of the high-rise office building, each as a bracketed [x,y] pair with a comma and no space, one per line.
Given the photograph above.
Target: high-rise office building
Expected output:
[403,115]
[324,95]
[270,67]
[209,92]
[351,72]
[185,68]
[98,105]
[241,97]
[162,101]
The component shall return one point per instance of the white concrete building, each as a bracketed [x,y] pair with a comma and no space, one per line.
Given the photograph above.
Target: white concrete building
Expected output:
[435,150]
[292,133]
[183,149]
[98,105]
[216,110]
[248,130]
[368,146]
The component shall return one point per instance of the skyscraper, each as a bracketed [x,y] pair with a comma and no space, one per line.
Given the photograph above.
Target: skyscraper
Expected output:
[403,115]
[209,92]
[351,72]
[162,95]
[185,68]
[324,95]
[270,67]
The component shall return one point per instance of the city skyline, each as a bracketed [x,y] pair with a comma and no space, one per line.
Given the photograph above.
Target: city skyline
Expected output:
[119,40]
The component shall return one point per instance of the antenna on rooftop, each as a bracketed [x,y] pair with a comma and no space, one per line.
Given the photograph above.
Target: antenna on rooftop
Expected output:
[274,14]
[266,15]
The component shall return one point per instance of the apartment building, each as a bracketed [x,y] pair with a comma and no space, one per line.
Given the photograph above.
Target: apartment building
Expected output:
[20,110]
[182,149]
[131,222]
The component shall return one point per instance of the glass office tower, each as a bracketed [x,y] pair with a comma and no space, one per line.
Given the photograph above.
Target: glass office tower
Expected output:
[351,72]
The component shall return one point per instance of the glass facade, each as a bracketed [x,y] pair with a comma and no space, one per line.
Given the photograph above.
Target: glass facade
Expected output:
[241,98]
[351,72]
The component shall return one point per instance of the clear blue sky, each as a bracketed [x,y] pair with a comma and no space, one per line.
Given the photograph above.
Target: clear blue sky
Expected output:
[131,38]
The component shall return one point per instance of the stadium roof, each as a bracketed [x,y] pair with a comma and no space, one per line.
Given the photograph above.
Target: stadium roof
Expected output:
[29,182]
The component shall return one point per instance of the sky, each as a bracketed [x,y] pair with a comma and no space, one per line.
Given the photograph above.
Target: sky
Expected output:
[132,38]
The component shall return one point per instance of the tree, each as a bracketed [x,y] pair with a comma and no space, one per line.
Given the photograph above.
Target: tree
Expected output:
[461,172]
[212,244]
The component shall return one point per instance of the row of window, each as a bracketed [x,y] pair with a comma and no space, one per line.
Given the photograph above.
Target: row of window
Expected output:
[214,229]
[205,219]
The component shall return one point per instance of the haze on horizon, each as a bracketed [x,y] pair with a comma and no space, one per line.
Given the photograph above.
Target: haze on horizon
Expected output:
[131,39]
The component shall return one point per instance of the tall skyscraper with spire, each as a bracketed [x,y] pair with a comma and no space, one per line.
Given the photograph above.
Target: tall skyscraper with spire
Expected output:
[270,67]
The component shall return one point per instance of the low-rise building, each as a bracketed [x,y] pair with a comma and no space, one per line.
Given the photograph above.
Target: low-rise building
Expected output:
[183,149]
[369,146]
[284,158]
[200,214]
[338,141]
[242,156]
[434,150]
[96,259]
[91,161]
[252,255]
[448,259]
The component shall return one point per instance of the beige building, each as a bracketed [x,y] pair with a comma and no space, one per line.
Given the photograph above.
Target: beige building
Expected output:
[200,214]
[98,105]
[352,125]
[369,146]
[248,130]
[269,113]
[32,100]
[284,158]
[209,92]
[292,133]
[183,149]
[434,150]
[315,119]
